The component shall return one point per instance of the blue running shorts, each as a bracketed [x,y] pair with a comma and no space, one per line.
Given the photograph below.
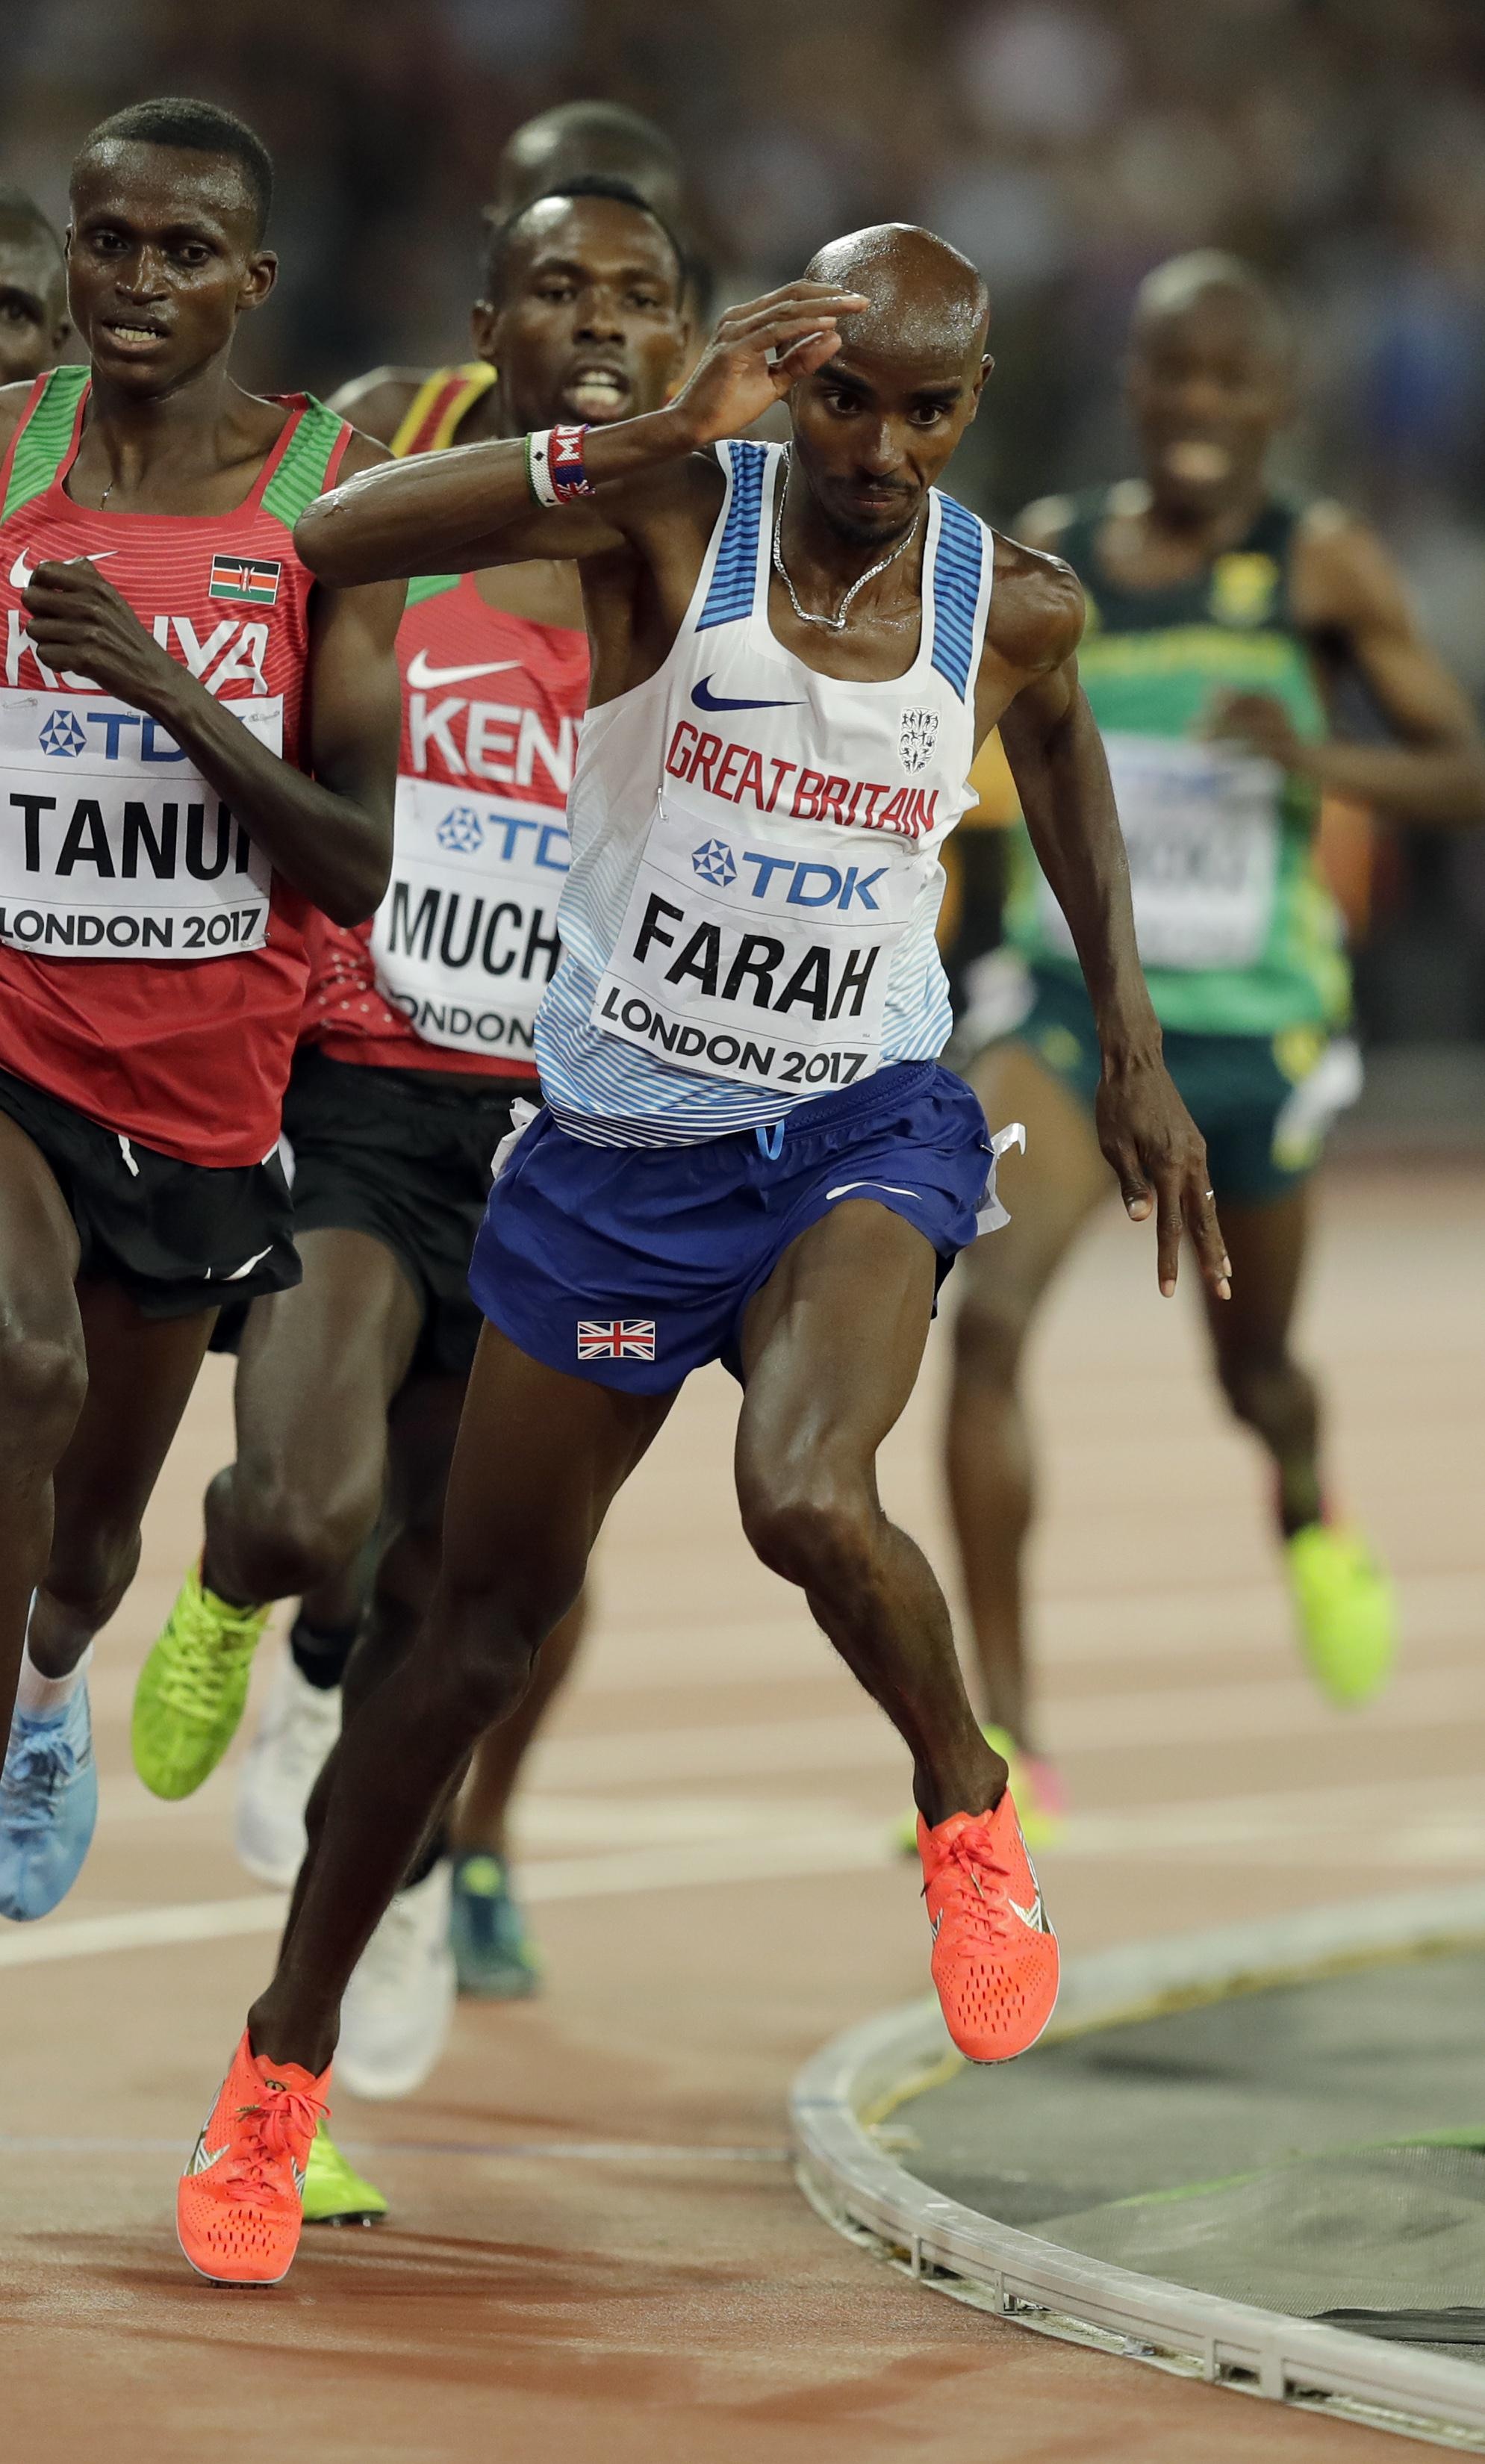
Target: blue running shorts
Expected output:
[633,1265]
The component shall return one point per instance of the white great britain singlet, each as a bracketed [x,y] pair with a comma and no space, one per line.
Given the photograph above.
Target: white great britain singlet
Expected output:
[748,920]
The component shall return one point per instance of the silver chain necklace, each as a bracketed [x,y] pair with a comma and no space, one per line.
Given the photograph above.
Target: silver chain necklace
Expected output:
[835,624]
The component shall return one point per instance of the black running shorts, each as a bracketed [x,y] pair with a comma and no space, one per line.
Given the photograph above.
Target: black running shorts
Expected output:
[178,1237]
[405,1156]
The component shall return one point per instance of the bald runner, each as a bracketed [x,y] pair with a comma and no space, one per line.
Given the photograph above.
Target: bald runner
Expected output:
[748,1150]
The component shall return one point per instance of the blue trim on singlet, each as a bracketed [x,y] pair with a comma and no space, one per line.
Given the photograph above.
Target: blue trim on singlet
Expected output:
[730,592]
[956,591]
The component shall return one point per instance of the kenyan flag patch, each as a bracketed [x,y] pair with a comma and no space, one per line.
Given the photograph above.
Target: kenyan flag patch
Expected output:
[244,577]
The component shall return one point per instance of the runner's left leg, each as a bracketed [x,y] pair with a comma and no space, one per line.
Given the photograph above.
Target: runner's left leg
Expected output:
[1344,1609]
[1267,1388]
[830,1349]
[141,1373]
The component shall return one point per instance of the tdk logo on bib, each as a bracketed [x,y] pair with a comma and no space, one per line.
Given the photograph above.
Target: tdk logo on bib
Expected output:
[714,860]
[62,736]
[784,881]
[462,832]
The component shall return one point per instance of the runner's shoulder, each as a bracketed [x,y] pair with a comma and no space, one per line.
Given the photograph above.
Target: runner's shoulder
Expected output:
[378,402]
[1036,607]
[1343,577]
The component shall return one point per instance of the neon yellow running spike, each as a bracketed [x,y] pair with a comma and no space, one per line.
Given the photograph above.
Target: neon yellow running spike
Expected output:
[335,2193]
[1346,1612]
[1035,1782]
[193,1689]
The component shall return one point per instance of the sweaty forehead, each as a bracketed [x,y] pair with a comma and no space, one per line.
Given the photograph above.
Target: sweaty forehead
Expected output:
[601,230]
[928,311]
[160,183]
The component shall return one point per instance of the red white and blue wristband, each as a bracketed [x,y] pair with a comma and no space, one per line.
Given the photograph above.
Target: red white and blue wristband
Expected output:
[554,471]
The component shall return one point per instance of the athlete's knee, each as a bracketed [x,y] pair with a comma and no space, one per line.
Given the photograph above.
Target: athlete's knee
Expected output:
[93,1566]
[813,1523]
[1261,1385]
[478,1644]
[287,1538]
[43,1384]
[989,1331]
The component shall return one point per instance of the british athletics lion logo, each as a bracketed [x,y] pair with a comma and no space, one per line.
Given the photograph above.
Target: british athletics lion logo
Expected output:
[917,737]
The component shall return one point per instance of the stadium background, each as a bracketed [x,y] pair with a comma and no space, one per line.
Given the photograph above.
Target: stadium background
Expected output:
[1338,143]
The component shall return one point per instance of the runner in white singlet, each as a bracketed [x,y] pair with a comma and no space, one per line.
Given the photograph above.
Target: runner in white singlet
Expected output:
[750,1150]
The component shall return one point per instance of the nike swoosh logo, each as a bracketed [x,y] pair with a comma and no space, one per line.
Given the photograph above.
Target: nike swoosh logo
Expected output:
[238,1272]
[205,2156]
[890,1186]
[1031,1916]
[22,573]
[422,678]
[704,699]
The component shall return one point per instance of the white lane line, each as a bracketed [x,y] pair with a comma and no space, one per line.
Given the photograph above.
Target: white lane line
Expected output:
[581,2151]
[1333,1826]
[783,1855]
[1261,1710]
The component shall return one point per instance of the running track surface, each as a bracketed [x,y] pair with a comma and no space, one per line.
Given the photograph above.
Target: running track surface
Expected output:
[598,2253]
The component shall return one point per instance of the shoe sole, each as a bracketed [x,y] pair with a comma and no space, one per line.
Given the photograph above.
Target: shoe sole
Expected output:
[233,2283]
[522,1989]
[998,2061]
[367,2216]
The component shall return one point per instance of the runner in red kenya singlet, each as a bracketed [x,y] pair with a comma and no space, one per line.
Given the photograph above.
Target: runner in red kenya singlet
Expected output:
[197,747]
[418,1037]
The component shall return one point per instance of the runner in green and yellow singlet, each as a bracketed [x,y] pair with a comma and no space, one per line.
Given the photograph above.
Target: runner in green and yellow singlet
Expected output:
[1220,619]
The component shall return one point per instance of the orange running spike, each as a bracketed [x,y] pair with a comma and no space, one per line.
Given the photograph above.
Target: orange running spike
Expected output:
[240,2203]
[994,1954]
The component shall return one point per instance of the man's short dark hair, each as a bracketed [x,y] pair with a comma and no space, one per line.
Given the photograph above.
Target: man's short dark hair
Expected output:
[21,216]
[621,193]
[195,128]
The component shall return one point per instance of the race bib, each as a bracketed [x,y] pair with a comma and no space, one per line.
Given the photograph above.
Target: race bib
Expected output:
[465,940]
[761,957]
[1201,825]
[112,845]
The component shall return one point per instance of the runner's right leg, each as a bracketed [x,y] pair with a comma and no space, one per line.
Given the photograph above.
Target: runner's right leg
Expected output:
[1051,1191]
[317,1370]
[515,1551]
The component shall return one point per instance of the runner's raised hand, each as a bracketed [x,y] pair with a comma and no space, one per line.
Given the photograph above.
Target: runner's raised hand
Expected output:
[758,351]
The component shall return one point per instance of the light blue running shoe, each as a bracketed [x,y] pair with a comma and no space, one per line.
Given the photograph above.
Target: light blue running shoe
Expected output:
[492,1950]
[48,1808]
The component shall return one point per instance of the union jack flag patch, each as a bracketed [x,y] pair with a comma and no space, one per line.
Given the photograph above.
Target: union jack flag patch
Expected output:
[615,1338]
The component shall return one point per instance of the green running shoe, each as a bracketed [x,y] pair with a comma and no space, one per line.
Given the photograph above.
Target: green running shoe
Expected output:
[1347,1610]
[193,1689]
[492,1950]
[335,2193]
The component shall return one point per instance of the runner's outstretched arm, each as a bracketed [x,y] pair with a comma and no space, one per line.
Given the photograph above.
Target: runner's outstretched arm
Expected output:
[470,506]
[1056,760]
[330,835]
